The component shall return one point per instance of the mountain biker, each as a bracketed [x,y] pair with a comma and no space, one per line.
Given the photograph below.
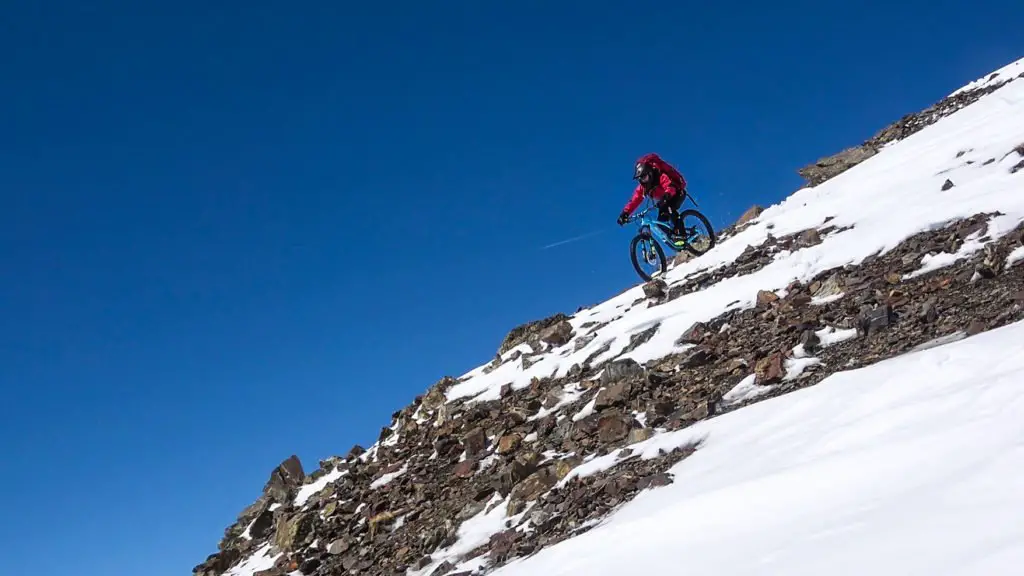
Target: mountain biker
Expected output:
[661,182]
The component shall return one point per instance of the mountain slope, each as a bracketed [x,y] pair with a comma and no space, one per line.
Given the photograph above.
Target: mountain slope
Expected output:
[798,399]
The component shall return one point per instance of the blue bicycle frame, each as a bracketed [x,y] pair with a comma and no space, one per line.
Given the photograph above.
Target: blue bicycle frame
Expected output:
[652,227]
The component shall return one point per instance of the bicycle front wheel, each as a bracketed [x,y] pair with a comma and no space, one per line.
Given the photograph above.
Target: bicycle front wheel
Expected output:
[645,253]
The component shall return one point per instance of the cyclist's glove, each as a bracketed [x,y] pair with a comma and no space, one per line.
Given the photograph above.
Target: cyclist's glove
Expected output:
[623,218]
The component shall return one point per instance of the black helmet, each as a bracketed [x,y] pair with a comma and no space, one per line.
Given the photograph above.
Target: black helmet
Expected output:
[643,172]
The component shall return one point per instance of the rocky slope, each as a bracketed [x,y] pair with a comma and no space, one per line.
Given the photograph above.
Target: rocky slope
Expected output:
[465,483]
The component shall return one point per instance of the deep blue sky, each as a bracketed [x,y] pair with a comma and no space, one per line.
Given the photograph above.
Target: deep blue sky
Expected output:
[231,234]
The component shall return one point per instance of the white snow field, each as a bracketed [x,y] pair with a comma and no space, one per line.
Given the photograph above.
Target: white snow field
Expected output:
[914,465]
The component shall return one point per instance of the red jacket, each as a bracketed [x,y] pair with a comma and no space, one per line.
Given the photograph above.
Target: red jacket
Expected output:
[665,187]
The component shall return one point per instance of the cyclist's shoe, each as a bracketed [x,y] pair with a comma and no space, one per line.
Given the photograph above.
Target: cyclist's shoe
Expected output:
[678,241]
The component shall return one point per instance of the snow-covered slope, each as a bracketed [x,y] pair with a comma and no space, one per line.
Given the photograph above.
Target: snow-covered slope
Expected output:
[834,388]
[909,466]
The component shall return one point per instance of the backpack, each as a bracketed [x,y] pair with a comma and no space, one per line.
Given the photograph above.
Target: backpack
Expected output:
[667,169]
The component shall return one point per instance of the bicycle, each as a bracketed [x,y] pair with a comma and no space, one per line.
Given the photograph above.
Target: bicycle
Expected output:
[653,231]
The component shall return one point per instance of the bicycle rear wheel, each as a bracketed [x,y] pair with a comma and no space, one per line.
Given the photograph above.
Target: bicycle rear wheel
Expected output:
[697,243]
[646,250]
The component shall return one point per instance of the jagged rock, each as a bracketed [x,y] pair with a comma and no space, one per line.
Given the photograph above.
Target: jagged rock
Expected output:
[808,238]
[435,397]
[508,443]
[947,185]
[975,327]
[639,435]
[284,480]
[339,546]
[766,298]
[536,484]
[656,288]
[613,427]
[566,465]
[696,357]
[694,334]
[475,442]
[831,286]
[465,469]
[872,320]
[751,213]
[291,531]
[557,335]
[309,565]
[809,340]
[769,370]
[524,332]
[620,370]
[655,481]
[615,394]
[262,524]
[831,166]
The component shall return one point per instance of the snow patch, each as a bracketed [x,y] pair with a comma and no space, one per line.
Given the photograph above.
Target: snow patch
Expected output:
[309,490]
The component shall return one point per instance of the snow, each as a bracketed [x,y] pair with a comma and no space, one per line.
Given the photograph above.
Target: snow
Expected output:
[904,467]
[474,533]
[386,479]
[309,490]
[930,263]
[745,390]
[259,560]
[1003,74]
[1016,256]
[884,200]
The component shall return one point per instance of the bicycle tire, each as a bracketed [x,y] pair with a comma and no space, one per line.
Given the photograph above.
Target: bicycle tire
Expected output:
[707,225]
[663,263]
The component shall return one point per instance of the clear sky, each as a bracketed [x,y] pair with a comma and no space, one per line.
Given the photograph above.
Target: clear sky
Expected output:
[230,234]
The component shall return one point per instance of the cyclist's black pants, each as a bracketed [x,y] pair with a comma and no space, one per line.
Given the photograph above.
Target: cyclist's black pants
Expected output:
[668,209]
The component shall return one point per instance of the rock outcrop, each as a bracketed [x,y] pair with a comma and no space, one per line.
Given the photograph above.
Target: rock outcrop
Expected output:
[834,165]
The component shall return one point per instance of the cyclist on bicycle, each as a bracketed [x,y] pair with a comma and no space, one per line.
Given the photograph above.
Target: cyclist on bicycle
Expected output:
[661,182]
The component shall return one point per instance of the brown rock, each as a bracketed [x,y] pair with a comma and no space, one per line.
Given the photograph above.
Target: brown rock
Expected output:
[766,298]
[810,340]
[694,334]
[655,481]
[808,238]
[524,332]
[339,546]
[769,370]
[475,443]
[639,435]
[465,469]
[613,427]
[614,395]
[566,465]
[696,357]
[509,443]
[557,335]
[975,327]
[284,480]
[536,484]
[800,300]
[751,213]
[656,288]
